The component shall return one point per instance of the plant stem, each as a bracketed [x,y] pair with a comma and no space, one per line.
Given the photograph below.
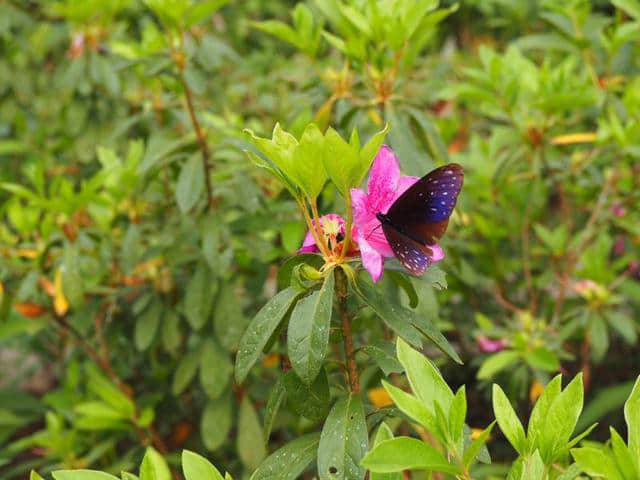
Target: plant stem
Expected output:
[342,293]
[318,225]
[202,140]
[347,229]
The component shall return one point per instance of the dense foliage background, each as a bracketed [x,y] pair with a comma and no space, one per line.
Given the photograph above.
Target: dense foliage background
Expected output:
[138,239]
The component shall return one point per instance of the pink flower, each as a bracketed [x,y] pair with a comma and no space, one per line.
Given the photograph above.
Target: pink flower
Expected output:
[487,345]
[618,210]
[333,228]
[385,185]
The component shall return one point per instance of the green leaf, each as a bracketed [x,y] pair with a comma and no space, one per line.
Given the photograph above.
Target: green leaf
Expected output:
[542,359]
[280,30]
[343,441]
[154,467]
[308,333]
[72,282]
[408,324]
[535,429]
[497,362]
[632,417]
[413,160]
[199,297]
[108,392]
[216,422]
[309,169]
[190,184]
[406,284]
[196,467]
[147,326]
[202,10]
[425,379]
[369,152]
[624,324]
[215,369]
[35,476]
[404,453]
[595,462]
[508,420]
[185,371]
[311,401]
[533,467]
[276,397]
[280,150]
[99,410]
[260,330]
[383,353]
[411,406]
[229,320]
[631,7]
[622,456]
[294,457]
[384,433]
[561,420]
[341,162]
[474,449]
[249,444]
[81,475]
[457,414]
[571,472]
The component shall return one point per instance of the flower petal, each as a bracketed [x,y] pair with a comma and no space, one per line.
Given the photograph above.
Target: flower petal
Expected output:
[404,183]
[437,253]
[383,180]
[372,261]
[308,244]
[360,207]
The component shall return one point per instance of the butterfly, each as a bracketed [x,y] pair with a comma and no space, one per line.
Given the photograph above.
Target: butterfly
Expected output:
[419,217]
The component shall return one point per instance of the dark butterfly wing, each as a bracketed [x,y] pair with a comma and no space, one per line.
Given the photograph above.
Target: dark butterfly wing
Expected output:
[413,256]
[422,212]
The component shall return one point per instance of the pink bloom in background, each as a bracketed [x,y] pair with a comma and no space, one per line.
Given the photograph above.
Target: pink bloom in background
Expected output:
[486,345]
[618,210]
[384,186]
[332,225]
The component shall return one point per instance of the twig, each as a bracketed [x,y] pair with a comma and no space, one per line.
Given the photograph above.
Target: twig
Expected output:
[342,294]
[178,58]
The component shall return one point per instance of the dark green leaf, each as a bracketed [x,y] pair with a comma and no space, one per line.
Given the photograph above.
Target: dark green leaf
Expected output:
[343,442]
[308,333]
[215,369]
[199,297]
[147,326]
[216,422]
[311,401]
[276,397]
[191,183]
[259,331]
[290,461]
[250,446]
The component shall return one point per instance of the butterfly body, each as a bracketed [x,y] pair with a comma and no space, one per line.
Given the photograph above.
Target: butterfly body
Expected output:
[419,217]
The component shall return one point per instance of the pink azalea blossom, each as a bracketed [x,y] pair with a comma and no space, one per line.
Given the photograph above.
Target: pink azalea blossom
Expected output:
[332,226]
[384,186]
[618,210]
[487,345]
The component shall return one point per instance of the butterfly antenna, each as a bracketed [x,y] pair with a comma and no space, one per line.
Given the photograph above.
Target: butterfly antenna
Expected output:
[371,232]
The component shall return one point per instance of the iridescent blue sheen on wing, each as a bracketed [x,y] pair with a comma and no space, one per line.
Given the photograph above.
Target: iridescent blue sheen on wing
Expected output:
[431,199]
[419,217]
